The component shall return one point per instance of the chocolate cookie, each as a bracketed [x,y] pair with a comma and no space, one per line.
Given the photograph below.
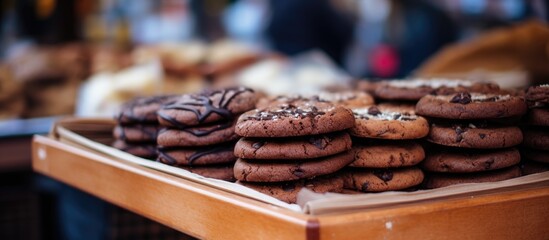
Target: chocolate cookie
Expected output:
[380,180]
[538,117]
[222,172]
[296,148]
[278,171]
[414,89]
[438,180]
[143,109]
[466,105]
[458,161]
[375,122]
[387,154]
[136,132]
[475,135]
[538,95]
[299,118]
[207,107]
[197,156]
[536,138]
[197,136]
[540,156]
[144,150]
[287,191]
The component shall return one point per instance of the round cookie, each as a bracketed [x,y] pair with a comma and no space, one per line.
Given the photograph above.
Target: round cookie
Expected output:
[136,132]
[536,155]
[538,117]
[295,148]
[300,118]
[207,107]
[458,161]
[380,180]
[438,180]
[197,136]
[277,171]
[222,172]
[287,191]
[466,105]
[536,138]
[374,122]
[141,150]
[197,156]
[387,155]
[414,89]
[343,98]
[474,136]
[538,95]
[143,109]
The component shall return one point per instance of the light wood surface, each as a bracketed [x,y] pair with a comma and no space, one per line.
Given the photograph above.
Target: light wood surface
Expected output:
[209,213]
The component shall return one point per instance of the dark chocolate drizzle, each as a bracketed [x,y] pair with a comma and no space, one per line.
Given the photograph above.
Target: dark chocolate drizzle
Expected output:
[200,132]
[193,103]
[166,158]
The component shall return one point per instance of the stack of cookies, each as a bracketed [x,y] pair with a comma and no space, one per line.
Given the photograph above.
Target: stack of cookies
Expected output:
[138,126]
[479,135]
[291,145]
[199,131]
[385,153]
[535,150]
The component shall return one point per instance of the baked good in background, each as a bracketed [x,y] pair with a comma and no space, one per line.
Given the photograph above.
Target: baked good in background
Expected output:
[12,101]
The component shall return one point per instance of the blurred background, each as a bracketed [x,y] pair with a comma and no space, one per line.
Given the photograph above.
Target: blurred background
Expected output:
[86,57]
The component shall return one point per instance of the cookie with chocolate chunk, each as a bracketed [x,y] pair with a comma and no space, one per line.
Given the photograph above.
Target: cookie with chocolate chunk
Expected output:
[387,154]
[536,138]
[207,107]
[143,109]
[465,105]
[144,150]
[287,191]
[221,172]
[459,161]
[438,180]
[299,118]
[376,122]
[217,154]
[136,132]
[197,136]
[279,170]
[380,180]
[295,148]
[474,135]
[414,89]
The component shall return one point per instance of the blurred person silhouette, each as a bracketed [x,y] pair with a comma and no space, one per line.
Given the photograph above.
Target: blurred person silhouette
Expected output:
[297,26]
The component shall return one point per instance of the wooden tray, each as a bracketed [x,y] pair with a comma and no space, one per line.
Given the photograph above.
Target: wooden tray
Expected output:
[210,213]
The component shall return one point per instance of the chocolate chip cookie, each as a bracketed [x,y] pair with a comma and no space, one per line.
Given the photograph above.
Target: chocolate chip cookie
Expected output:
[475,135]
[459,161]
[465,105]
[387,154]
[380,180]
[437,180]
[217,154]
[376,122]
[299,118]
[414,89]
[279,171]
[307,147]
